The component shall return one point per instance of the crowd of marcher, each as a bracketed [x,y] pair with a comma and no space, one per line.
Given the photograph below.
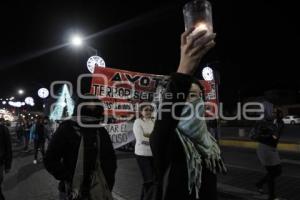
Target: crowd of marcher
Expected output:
[178,159]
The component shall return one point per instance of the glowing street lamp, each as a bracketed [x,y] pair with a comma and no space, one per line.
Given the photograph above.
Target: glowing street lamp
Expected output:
[20,92]
[94,60]
[76,40]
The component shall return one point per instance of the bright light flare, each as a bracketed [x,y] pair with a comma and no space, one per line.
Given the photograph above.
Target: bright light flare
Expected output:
[76,40]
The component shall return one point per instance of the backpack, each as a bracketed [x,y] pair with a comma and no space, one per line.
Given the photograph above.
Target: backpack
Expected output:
[98,189]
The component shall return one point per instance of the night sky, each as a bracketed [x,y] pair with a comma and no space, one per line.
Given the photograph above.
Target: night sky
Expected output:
[257,42]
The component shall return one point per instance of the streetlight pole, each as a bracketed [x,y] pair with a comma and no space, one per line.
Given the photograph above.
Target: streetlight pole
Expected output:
[95,51]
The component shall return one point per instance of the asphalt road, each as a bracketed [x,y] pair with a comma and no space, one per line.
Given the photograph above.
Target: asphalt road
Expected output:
[31,182]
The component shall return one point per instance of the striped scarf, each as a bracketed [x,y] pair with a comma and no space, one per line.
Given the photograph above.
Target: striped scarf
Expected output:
[198,144]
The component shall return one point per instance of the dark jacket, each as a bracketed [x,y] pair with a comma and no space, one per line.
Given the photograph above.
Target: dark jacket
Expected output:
[168,151]
[5,147]
[267,129]
[61,156]
[39,133]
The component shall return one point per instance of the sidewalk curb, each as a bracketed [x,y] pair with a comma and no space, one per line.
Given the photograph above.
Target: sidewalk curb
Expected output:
[291,147]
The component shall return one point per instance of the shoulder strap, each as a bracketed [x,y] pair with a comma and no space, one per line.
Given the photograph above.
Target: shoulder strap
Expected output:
[79,169]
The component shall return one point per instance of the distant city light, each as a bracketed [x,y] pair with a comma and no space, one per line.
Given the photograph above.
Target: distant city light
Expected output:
[29,101]
[15,104]
[6,115]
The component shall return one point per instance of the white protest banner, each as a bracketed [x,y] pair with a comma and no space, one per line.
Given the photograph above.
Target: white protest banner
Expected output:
[120,133]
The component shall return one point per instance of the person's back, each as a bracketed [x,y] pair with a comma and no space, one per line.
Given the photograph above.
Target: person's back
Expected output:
[75,152]
[64,146]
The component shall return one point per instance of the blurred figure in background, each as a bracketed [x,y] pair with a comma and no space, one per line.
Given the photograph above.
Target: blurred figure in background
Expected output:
[48,131]
[269,132]
[39,136]
[20,129]
[48,128]
[27,126]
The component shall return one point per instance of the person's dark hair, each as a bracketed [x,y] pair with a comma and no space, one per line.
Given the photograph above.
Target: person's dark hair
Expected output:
[197,82]
[141,108]
[90,99]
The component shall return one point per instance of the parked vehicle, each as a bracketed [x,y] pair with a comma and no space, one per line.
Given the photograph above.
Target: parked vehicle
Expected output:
[291,119]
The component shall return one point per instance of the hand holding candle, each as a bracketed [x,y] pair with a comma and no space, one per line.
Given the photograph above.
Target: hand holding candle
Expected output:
[198,14]
[193,48]
[202,26]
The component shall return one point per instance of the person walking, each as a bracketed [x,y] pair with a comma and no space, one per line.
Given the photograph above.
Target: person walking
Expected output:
[38,135]
[269,133]
[142,128]
[27,126]
[186,156]
[81,156]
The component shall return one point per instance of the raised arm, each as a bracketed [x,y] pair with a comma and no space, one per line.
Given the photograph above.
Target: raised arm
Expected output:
[193,48]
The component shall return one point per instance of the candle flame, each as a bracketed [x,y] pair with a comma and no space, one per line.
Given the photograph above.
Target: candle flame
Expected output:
[201,26]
